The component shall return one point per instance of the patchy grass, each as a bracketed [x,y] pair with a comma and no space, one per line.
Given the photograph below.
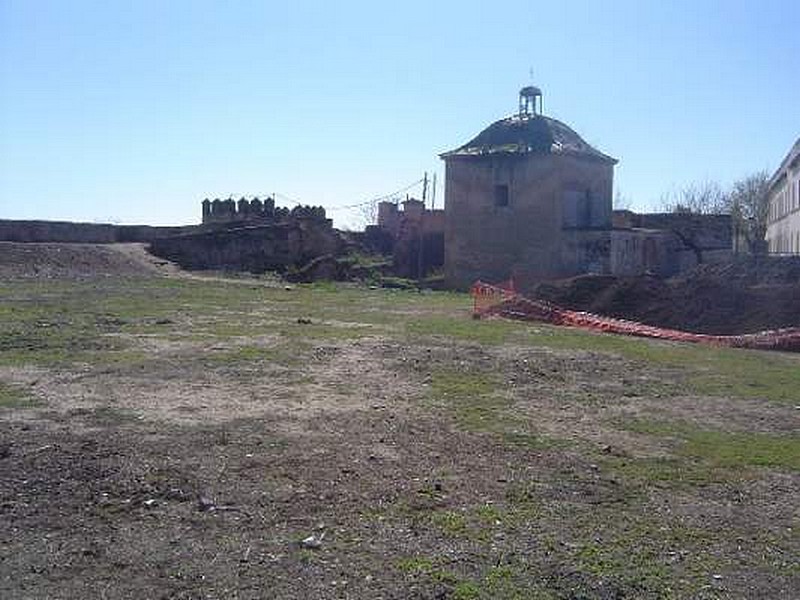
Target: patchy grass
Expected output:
[462,327]
[12,396]
[651,571]
[285,354]
[480,402]
[705,370]
[728,450]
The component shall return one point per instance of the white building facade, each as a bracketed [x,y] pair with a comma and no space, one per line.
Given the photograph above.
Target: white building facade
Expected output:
[783,228]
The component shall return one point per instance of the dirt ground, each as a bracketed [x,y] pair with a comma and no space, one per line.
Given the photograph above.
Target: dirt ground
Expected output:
[744,296]
[174,436]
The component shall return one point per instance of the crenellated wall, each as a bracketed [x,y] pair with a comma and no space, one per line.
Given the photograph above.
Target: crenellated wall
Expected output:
[280,246]
[254,211]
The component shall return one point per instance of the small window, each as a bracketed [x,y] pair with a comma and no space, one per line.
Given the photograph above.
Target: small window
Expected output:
[501,195]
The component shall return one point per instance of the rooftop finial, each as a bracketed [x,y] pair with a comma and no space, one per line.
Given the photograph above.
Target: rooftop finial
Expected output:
[527,101]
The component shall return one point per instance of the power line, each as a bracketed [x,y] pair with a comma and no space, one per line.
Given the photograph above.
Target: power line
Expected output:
[346,207]
[379,198]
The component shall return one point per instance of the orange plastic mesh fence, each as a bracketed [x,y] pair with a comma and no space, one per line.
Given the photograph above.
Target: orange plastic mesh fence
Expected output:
[503,301]
[486,295]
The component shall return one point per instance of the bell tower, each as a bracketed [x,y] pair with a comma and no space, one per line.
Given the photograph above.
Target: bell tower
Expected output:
[527,102]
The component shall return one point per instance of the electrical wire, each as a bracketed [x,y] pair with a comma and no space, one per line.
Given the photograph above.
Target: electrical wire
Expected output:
[378,198]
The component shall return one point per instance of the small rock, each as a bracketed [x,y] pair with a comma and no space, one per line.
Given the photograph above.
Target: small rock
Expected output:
[205,504]
[313,542]
[150,502]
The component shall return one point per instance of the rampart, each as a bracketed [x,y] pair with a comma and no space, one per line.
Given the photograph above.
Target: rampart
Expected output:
[83,233]
[282,246]
[254,211]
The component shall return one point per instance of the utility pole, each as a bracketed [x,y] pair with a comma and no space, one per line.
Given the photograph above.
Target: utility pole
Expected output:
[421,238]
[433,193]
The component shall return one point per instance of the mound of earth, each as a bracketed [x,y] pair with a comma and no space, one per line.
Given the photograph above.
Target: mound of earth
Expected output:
[743,296]
[75,261]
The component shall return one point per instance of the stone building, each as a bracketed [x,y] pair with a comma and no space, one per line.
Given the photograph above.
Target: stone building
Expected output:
[526,198]
[409,228]
[783,227]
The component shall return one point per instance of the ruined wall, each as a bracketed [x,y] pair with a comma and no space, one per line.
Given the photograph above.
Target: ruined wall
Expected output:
[555,221]
[404,229]
[707,232]
[667,243]
[82,233]
[639,251]
[258,248]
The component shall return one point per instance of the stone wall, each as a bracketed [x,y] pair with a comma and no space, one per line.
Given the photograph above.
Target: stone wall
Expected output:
[639,251]
[683,242]
[405,228]
[706,233]
[255,212]
[83,233]
[532,217]
[257,249]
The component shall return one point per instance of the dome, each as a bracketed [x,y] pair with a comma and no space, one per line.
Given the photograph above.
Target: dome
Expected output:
[523,134]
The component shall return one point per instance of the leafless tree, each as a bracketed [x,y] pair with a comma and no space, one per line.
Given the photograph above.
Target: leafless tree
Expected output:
[705,198]
[749,206]
[368,213]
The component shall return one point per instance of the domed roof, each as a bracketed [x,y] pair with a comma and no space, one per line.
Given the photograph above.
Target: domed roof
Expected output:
[523,134]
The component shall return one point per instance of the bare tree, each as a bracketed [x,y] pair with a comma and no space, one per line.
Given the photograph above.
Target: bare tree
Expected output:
[368,213]
[705,198]
[749,204]
[687,203]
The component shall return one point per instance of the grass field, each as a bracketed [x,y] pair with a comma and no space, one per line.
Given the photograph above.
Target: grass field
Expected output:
[169,437]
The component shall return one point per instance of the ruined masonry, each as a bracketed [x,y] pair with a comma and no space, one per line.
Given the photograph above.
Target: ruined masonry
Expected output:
[254,236]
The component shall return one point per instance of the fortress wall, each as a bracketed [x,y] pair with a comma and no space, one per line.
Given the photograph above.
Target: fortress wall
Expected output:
[82,233]
[256,249]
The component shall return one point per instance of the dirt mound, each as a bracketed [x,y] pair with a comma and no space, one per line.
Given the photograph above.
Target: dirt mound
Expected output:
[75,261]
[744,296]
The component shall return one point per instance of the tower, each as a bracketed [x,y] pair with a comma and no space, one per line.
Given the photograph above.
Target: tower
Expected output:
[527,101]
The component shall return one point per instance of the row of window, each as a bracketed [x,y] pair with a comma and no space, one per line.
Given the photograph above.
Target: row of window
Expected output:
[786,243]
[785,201]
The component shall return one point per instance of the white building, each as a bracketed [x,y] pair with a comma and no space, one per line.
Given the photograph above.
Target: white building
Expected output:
[783,226]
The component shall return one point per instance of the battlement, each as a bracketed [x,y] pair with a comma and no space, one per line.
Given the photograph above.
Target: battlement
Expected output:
[256,211]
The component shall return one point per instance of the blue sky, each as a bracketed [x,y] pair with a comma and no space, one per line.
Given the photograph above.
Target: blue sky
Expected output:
[135,111]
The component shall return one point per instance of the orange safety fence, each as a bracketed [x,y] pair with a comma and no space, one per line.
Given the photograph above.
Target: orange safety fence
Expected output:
[485,295]
[504,301]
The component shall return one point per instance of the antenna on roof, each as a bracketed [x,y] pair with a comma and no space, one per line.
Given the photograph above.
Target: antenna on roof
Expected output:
[527,101]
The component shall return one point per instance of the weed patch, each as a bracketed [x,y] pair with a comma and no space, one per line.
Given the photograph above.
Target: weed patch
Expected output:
[15,397]
[728,450]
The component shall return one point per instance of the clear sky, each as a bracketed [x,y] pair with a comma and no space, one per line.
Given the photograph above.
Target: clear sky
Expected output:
[134,111]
